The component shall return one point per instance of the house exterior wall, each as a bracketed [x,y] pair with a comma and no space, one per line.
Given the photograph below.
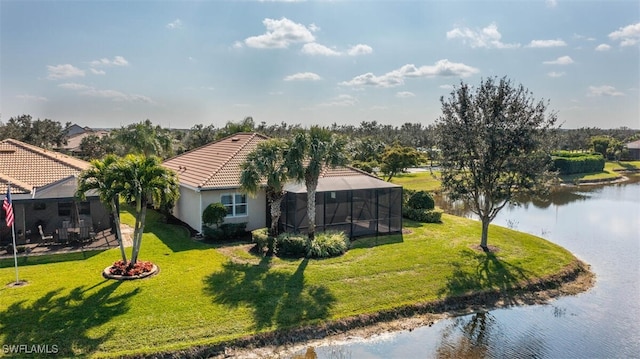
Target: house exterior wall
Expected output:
[256,207]
[187,208]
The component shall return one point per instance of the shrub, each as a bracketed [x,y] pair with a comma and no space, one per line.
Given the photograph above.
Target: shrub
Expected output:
[568,163]
[225,232]
[291,245]
[421,200]
[424,215]
[328,244]
[214,214]
[262,240]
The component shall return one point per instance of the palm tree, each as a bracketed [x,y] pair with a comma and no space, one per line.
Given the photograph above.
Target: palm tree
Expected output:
[267,161]
[146,181]
[309,154]
[103,177]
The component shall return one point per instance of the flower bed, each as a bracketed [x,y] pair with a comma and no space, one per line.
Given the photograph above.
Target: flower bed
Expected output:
[119,270]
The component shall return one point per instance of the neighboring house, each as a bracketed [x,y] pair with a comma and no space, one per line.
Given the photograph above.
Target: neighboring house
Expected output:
[347,199]
[633,149]
[43,185]
[74,136]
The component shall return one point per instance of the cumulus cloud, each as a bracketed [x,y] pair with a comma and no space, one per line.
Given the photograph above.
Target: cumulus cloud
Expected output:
[313,48]
[113,95]
[603,47]
[104,62]
[547,43]
[405,94]
[360,49]
[63,71]
[280,34]
[397,77]
[175,24]
[303,76]
[562,60]
[604,90]
[628,35]
[488,37]
[97,72]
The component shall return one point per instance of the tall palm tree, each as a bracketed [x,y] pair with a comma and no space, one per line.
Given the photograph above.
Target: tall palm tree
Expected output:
[146,182]
[103,177]
[267,161]
[309,154]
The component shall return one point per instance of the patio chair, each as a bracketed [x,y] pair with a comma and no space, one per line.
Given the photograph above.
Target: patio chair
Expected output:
[66,224]
[63,235]
[85,233]
[45,238]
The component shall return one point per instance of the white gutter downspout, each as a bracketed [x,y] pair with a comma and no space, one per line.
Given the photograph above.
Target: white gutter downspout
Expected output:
[199,190]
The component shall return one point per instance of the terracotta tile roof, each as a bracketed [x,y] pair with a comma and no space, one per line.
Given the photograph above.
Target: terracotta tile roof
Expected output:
[27,166]
[215,165]
[634,144]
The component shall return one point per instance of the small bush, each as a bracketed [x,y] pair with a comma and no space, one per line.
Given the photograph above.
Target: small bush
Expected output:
[226,231]
[421,200]
[214,214]
[424,215]
[262,240]
[328,244]
[291,245]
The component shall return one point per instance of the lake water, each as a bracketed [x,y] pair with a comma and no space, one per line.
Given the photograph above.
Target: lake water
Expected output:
[601,226]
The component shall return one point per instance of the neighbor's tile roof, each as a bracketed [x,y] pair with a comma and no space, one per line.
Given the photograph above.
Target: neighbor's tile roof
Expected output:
[27,166]
[634,144]
[216,165]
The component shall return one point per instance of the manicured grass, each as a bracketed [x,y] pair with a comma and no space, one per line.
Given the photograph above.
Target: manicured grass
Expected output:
[425,181]
[207,294]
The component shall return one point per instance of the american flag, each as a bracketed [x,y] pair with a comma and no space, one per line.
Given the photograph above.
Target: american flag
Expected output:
[8,208]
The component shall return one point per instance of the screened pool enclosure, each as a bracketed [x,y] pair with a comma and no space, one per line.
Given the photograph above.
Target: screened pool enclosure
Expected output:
[358,205]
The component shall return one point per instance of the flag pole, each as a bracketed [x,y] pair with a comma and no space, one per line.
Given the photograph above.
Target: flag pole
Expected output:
[7,205]
[15,252]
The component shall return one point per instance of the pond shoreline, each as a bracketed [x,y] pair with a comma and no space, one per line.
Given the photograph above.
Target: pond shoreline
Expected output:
[572,280]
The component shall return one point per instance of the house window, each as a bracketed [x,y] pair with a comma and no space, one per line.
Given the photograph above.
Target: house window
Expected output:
[64,209]
[235,203]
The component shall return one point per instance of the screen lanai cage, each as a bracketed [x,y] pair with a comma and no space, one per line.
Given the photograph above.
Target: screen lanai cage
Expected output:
[359,205]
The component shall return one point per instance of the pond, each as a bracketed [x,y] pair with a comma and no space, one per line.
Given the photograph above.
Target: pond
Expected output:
[601,226]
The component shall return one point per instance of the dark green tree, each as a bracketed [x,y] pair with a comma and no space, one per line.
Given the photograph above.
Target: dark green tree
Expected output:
[493,143]
[144,138]
[42,133]
[398,158]
[246,125]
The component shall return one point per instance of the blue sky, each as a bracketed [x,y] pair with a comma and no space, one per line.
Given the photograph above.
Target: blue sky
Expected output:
[111,63]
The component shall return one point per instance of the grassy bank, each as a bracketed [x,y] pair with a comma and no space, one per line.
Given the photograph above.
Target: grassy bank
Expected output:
[611,172]
[425,181]
[205,295]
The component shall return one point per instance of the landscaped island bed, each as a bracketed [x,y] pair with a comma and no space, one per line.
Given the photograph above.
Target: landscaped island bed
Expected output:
[207,297]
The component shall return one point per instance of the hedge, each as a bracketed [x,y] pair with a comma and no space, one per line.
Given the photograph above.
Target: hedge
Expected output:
[568,163]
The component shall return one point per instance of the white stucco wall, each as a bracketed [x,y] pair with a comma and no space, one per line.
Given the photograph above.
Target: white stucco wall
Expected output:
[191,204]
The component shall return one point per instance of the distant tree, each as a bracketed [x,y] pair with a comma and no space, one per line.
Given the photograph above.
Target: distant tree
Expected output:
[398,158]
[144,138]
[493,146]
[267,162]
[246,125]
[311,152]
[42,133]
[199,135]
[365,153]
[95,147]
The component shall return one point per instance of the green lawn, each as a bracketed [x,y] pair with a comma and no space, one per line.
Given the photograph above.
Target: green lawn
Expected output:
[205,295]
[425,181]
[610,172]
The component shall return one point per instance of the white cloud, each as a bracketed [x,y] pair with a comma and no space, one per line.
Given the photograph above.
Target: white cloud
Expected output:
[175,24]
[405,94]
[562,60]
[555,74]
[604,90]
[104,62]
[360,49]
[63,72]
[237,45]
[32,98]
[446,87]
[628,35]
[97,72]
[488,37]
[396,77]
[547,43]
[314,48]
[340,101]
[551,3]
[280,34]
[303,76]
[114,95]
[603,47]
